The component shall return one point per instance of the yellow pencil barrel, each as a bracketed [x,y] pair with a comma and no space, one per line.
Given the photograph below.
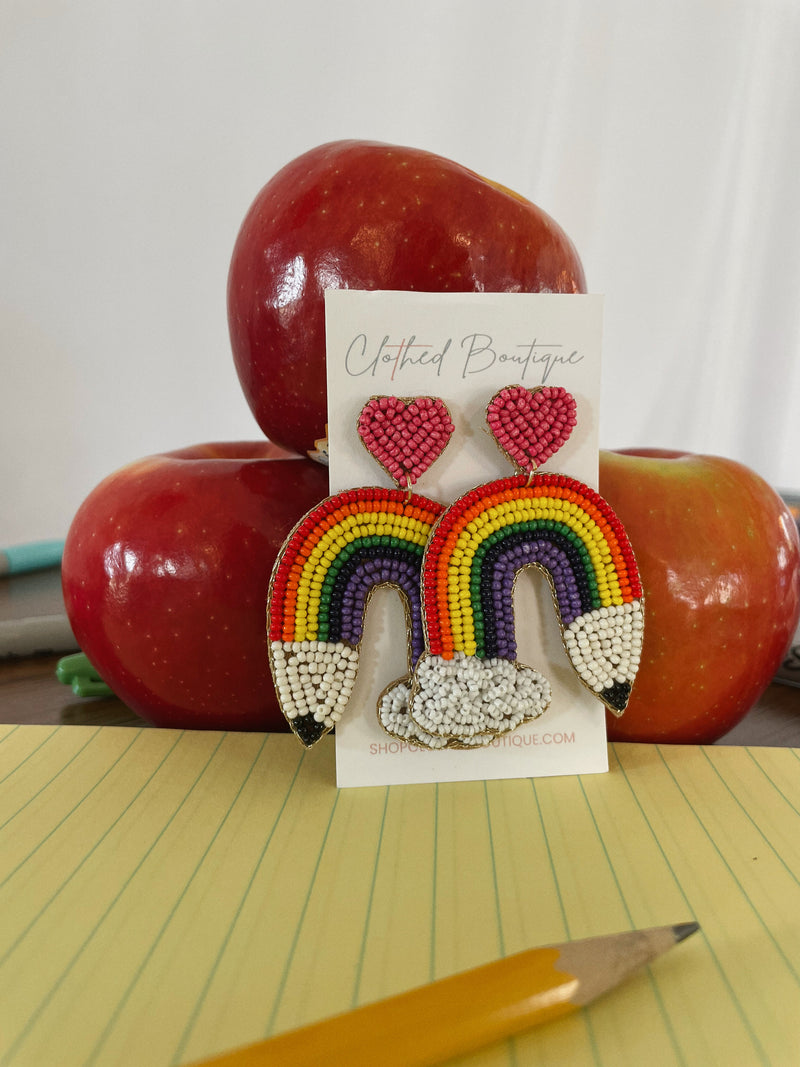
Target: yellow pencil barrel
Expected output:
[465,1011]
[428,1024]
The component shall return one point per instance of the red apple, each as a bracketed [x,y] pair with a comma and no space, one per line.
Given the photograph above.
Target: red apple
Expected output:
[718,554]
[165,575]
[364,215]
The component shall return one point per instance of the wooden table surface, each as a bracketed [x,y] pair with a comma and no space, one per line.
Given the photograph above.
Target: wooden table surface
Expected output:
[30,692]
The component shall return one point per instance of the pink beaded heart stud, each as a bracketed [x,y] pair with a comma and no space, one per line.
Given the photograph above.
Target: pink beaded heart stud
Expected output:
[531,425]
[405,434]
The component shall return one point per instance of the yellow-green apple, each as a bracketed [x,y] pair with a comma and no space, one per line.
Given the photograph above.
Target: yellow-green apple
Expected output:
[365,215]
[165,574]
[718,555]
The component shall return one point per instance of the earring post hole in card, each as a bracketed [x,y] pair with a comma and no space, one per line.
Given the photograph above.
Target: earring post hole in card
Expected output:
[460,353]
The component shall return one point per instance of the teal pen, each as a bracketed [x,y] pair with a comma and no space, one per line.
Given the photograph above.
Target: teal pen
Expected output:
[34,556]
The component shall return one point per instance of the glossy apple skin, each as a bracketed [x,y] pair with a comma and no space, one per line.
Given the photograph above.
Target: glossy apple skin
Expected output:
[718,555]
[165,575]
[365,215]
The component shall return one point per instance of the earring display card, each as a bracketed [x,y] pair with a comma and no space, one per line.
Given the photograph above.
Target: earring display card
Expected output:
[462,348]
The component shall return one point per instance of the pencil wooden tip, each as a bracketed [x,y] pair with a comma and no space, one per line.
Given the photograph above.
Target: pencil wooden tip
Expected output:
[684,930]
[600,963]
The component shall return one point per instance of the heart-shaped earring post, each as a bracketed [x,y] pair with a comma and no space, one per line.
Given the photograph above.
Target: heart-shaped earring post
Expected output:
[405,434]
[531,425]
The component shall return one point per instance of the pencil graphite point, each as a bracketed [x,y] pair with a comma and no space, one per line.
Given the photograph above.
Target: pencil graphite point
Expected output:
[684,930]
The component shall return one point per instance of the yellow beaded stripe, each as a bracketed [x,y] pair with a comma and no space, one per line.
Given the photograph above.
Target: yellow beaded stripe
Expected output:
[326,549]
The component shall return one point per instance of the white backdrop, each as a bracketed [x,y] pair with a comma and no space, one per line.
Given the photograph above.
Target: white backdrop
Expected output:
[664,137]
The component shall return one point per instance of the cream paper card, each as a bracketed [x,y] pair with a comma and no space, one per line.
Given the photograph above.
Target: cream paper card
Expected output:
[463,348]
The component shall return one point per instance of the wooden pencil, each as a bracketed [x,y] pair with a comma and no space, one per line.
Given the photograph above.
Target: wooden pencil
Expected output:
[466,1011]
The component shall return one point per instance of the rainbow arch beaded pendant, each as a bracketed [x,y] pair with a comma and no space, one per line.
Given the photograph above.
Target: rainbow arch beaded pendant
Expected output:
[339,553]
[476,550]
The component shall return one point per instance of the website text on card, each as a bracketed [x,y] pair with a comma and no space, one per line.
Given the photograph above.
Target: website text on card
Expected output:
[559,737]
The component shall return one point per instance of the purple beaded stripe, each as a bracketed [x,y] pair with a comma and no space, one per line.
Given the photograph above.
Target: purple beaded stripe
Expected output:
[494,572]
[365,571]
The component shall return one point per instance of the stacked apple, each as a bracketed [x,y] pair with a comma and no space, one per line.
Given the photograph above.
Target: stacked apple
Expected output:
[167,562]
[360,215]
[165,574]
[718,554]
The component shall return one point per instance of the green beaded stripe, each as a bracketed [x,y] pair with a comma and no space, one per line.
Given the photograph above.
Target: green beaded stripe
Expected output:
[380,543]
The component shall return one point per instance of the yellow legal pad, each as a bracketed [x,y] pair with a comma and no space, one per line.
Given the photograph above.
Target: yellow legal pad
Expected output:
[165,896]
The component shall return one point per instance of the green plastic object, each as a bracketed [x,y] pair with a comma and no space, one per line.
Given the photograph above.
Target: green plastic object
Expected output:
[77,672]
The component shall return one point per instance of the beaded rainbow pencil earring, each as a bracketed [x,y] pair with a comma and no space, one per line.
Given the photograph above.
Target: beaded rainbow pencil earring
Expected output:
[468,687]
[340,552]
